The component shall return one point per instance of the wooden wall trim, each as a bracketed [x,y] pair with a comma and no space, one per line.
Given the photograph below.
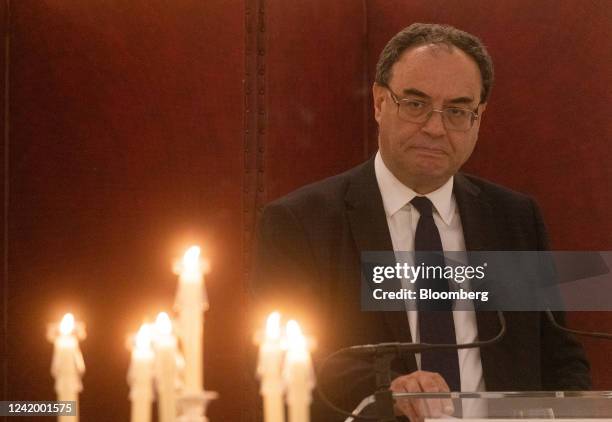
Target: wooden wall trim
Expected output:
[4,65]
[367,80]
[253,198]
[260,197]
[254,124]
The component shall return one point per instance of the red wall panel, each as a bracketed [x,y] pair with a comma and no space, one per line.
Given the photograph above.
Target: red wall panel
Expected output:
[137,127]
[316,93]
[126,145]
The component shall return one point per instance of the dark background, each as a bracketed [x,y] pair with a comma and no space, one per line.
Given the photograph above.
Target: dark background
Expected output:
[132,129]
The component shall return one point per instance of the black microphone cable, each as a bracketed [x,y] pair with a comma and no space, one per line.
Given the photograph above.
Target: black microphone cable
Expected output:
[595,334]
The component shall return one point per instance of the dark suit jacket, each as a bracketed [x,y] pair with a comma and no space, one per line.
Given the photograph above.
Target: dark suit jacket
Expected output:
[308,265]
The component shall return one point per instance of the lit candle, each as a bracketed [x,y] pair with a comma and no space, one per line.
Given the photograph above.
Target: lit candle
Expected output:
[140,375]
[165,367]
[299,374]
[67,366]
[191,302]
[269,370]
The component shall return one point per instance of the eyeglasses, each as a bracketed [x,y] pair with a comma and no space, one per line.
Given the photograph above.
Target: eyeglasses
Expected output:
[417,111]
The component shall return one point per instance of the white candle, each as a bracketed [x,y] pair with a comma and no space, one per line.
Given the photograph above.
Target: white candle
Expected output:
[191,302]
[140,375]
[269,370]
[299,374]
[165,367]
[67,366]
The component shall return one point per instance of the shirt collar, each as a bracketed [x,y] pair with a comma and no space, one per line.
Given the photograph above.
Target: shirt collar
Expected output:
[396,195]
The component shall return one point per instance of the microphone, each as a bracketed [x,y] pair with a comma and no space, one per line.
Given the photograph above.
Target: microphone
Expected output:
[383,354]
[397,347]
[595,334]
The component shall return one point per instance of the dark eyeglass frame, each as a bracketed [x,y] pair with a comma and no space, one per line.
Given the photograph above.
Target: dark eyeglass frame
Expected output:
[398,101]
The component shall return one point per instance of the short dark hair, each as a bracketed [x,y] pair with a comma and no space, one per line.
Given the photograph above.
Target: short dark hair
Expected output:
[419,34]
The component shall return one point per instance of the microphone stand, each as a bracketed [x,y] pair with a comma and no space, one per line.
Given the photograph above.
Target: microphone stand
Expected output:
[383,354]
[384,396]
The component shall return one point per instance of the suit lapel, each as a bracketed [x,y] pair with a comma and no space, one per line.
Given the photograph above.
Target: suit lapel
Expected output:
[480,234]
[370,231]
[479,228]
[366,212]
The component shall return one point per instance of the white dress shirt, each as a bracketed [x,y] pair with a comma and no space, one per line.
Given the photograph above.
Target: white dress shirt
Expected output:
[402,219]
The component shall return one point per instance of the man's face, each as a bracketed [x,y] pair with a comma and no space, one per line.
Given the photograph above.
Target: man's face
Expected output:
[424,156]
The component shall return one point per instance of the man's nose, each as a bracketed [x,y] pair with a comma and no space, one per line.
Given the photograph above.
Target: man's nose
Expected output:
[434,126]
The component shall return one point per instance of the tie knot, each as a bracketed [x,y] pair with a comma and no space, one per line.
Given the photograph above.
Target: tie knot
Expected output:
[423,205]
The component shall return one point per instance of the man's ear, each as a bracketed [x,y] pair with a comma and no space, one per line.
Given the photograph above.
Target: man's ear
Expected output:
[378,94]
[481,108]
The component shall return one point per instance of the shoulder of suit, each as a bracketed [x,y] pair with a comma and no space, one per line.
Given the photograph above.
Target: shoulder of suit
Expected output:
[491,191]
[330,192]
[325,193]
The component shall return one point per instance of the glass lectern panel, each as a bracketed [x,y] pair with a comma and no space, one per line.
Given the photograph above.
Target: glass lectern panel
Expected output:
[568,406]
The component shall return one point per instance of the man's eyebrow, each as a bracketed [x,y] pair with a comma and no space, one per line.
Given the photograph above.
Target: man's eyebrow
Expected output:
[461,100]
[415,92]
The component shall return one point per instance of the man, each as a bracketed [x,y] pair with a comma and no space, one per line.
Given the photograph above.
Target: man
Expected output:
[431,91]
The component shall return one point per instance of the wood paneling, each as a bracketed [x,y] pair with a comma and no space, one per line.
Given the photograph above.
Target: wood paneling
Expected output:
[4,29]
[138,127]
[316,93]
[126,145]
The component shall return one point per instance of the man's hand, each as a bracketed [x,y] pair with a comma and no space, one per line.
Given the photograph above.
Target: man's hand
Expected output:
[421,382]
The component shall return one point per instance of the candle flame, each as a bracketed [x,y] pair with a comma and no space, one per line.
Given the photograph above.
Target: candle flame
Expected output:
[191,259]
[67,325]
[295,338]
[273,328]
[143,337]
[163,324]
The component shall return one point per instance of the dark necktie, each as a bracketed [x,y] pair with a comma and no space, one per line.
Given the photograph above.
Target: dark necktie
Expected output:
[436,323]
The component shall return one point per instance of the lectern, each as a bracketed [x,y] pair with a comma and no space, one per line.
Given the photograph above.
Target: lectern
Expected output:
[568,406]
